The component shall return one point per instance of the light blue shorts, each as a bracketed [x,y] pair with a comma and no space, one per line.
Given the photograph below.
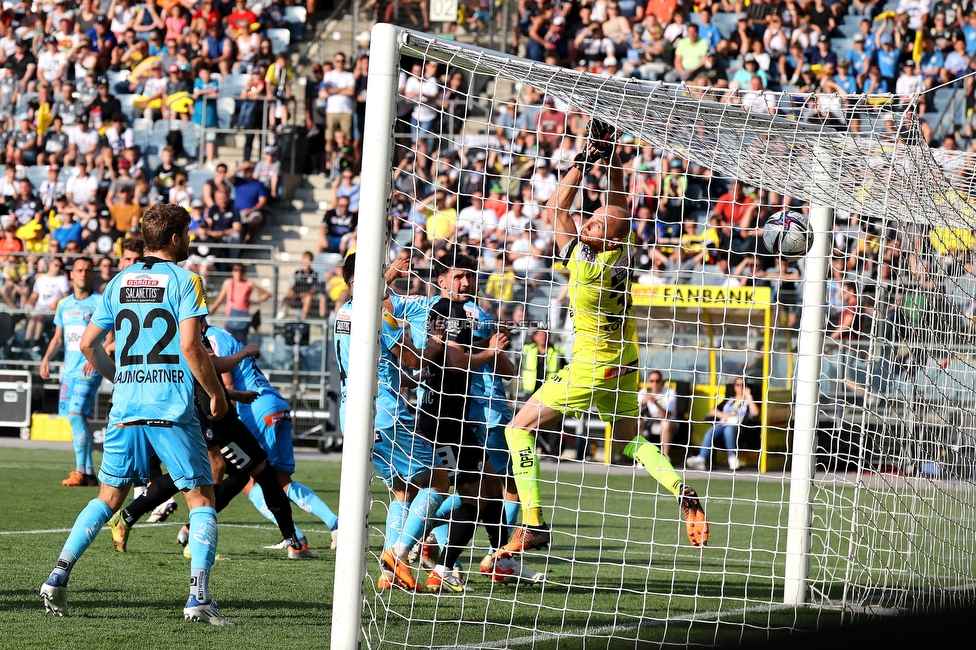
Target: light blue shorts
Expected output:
[78,395]
[493,439]
[127,449]
[401,455]
[269,419]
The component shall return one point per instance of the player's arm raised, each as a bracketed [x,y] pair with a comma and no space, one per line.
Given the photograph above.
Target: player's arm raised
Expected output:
[561,202]
[198,358]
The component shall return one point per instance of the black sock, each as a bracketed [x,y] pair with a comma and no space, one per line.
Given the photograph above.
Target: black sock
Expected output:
[230,487]
[155,471]
[460,531]
[492,517]
[277,501]
[159,491]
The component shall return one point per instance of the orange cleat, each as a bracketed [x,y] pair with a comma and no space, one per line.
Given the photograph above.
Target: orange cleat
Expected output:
[402,574]
[385,581]
[77,479]
[694,514]
[524,539]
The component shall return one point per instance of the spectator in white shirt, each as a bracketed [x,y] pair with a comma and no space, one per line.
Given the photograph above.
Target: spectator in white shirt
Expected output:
[82,143]
[119,135]
[338,89]
[544,182]
[80,189]
[475,221]
[420,88]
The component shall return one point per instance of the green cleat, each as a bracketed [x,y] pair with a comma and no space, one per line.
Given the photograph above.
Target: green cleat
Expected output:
[120,531]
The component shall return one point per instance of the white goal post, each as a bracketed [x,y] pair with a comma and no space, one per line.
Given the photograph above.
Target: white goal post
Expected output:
[875,509]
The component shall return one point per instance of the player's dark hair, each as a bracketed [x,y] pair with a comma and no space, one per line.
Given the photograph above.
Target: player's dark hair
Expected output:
[451,260]
[349,268]
[161,222]
[82,259]
[134,245]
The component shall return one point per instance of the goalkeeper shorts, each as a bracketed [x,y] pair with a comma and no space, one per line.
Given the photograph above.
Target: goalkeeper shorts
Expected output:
[575,390]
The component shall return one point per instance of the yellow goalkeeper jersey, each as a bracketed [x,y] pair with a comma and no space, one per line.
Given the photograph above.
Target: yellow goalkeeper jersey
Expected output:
[599,300]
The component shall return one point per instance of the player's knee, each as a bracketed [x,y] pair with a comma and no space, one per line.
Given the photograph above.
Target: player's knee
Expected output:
[79,428]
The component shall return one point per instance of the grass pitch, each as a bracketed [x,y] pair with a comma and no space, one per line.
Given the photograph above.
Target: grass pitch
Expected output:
[621,581]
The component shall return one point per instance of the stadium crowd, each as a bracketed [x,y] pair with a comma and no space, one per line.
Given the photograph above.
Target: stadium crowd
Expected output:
[101,110]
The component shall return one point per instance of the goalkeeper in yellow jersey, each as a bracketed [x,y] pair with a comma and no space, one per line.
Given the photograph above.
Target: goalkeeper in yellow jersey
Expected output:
[604,368]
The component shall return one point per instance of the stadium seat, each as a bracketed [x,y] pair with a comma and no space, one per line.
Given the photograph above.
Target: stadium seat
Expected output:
[225,112]
[233,84]
[841,46]
[67,173]
[114,77]
[128,106]
[142,124]
[295,22]
[198,178]
[280,39]
[36,174]
[849,29]
[726,23]
[191,139]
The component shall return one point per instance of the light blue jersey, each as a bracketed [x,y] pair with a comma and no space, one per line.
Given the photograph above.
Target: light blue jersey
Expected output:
[400,454]
[72,316]
[415,310]
[269,408]
[489,405]
[391,407]
[145,305]
[268,417]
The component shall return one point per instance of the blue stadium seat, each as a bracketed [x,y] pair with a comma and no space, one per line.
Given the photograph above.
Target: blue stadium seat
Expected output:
[849,30]
[127,106]
[197,178]
[295,22]
[841,46]
[36,174]
[225,111]
[280,39]
[233,84]
[725,22]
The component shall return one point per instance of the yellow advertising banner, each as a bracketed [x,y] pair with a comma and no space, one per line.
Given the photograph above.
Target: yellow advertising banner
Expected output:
[691,296]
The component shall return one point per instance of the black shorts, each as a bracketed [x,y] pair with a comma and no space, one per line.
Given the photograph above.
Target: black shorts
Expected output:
[236,444]
[460,452]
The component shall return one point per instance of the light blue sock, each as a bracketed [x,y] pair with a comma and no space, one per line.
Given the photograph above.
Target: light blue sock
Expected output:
[256,497]
[443,514]
[203,550]
[422,510]
[395,517]
[306,499]
[83,444]
[85,529]
[513,513]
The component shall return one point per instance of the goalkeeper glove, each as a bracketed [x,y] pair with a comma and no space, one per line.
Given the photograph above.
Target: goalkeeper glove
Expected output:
[586,159]
[602,137]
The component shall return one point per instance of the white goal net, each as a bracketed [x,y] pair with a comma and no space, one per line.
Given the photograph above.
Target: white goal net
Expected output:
[479,143]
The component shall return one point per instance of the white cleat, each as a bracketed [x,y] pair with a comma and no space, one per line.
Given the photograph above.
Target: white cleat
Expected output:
[280,546]
[162,512]
[204,613]
[55,599]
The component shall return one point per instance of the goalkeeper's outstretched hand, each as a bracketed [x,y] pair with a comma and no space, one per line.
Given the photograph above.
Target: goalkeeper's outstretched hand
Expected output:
[694,514]
[602,137]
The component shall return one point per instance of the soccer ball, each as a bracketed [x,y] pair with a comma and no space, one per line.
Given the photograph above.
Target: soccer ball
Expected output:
[788,234]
